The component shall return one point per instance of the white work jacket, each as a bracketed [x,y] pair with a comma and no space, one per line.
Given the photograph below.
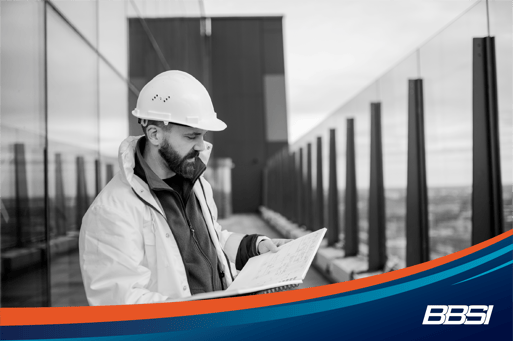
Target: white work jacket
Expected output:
[128,254]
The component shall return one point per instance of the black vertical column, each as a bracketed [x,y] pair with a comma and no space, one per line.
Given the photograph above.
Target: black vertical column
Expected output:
[110,172]
[377,225]
[333,221]
[300,190]
[487,207]
[269,180]
[417,224]
[319,201]
[272,183]
[23,226]
[283,183]
[82,200]
[308,196]
[351,239]
[60,200]
[294,190]
[265,183]
[289,196]
[278,183]
[98,176]
[283,179]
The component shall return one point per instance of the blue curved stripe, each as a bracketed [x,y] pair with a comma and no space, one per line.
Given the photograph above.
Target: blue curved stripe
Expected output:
[277,312]
[486,272]
[200,325]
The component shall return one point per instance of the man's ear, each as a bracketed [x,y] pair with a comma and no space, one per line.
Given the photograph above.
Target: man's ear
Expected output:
[154,134]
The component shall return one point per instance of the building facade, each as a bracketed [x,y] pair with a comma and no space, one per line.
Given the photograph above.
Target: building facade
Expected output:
[70,76]
[240,61]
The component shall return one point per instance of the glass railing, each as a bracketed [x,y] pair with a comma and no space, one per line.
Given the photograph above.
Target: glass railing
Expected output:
[444,63]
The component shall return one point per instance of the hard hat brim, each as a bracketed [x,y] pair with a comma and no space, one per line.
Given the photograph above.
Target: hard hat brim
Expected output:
[210,124]
[213,124]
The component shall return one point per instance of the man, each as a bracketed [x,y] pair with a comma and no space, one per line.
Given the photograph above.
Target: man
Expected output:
[151,235]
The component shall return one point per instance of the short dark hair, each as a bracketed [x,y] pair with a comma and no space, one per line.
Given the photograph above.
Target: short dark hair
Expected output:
[160,124]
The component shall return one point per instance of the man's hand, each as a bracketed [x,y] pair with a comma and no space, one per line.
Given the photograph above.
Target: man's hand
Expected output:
[272,245]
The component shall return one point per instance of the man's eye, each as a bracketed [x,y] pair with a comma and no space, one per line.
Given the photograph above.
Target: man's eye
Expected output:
[191,137]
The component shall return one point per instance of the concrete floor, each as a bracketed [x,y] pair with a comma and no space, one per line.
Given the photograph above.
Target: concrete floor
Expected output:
[28,289]
[252,223]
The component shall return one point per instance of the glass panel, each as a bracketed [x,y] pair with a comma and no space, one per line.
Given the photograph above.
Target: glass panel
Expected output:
[23,240]
[113,34]
[358,109]
[113,118]
[446,67]
[73,150]
[82,15]
[393,93]
[500,28]
[113,94]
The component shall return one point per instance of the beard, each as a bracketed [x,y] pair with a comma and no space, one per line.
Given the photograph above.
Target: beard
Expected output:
[180,165]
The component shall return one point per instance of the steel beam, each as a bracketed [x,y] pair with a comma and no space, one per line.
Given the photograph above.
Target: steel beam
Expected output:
[82,199]
[300,190]
[487,205]
[319,201]
[60,199]
[351,240]
[377,221]
[23,222]
[333,215]
[308,194]
[417,224]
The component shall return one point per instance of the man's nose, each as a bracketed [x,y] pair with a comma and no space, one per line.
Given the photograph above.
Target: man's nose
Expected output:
[200,145]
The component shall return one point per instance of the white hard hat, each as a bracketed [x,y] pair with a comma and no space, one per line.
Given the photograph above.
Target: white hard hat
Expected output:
[177,97]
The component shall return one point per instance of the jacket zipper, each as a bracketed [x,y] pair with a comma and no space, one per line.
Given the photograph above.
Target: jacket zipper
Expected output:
[224,253]
[196,242]
[221,274]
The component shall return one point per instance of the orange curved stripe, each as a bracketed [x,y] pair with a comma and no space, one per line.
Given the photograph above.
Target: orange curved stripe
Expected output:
[67,315]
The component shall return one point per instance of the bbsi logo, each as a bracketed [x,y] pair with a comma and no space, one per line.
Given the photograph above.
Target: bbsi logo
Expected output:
[478,314]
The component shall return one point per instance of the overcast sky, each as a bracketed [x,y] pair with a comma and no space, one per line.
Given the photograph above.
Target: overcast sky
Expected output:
[333,48]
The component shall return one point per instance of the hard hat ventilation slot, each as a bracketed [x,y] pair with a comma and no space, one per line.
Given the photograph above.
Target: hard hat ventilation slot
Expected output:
[160,98]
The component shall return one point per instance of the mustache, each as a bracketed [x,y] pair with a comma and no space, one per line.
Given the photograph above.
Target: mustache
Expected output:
[191,154]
